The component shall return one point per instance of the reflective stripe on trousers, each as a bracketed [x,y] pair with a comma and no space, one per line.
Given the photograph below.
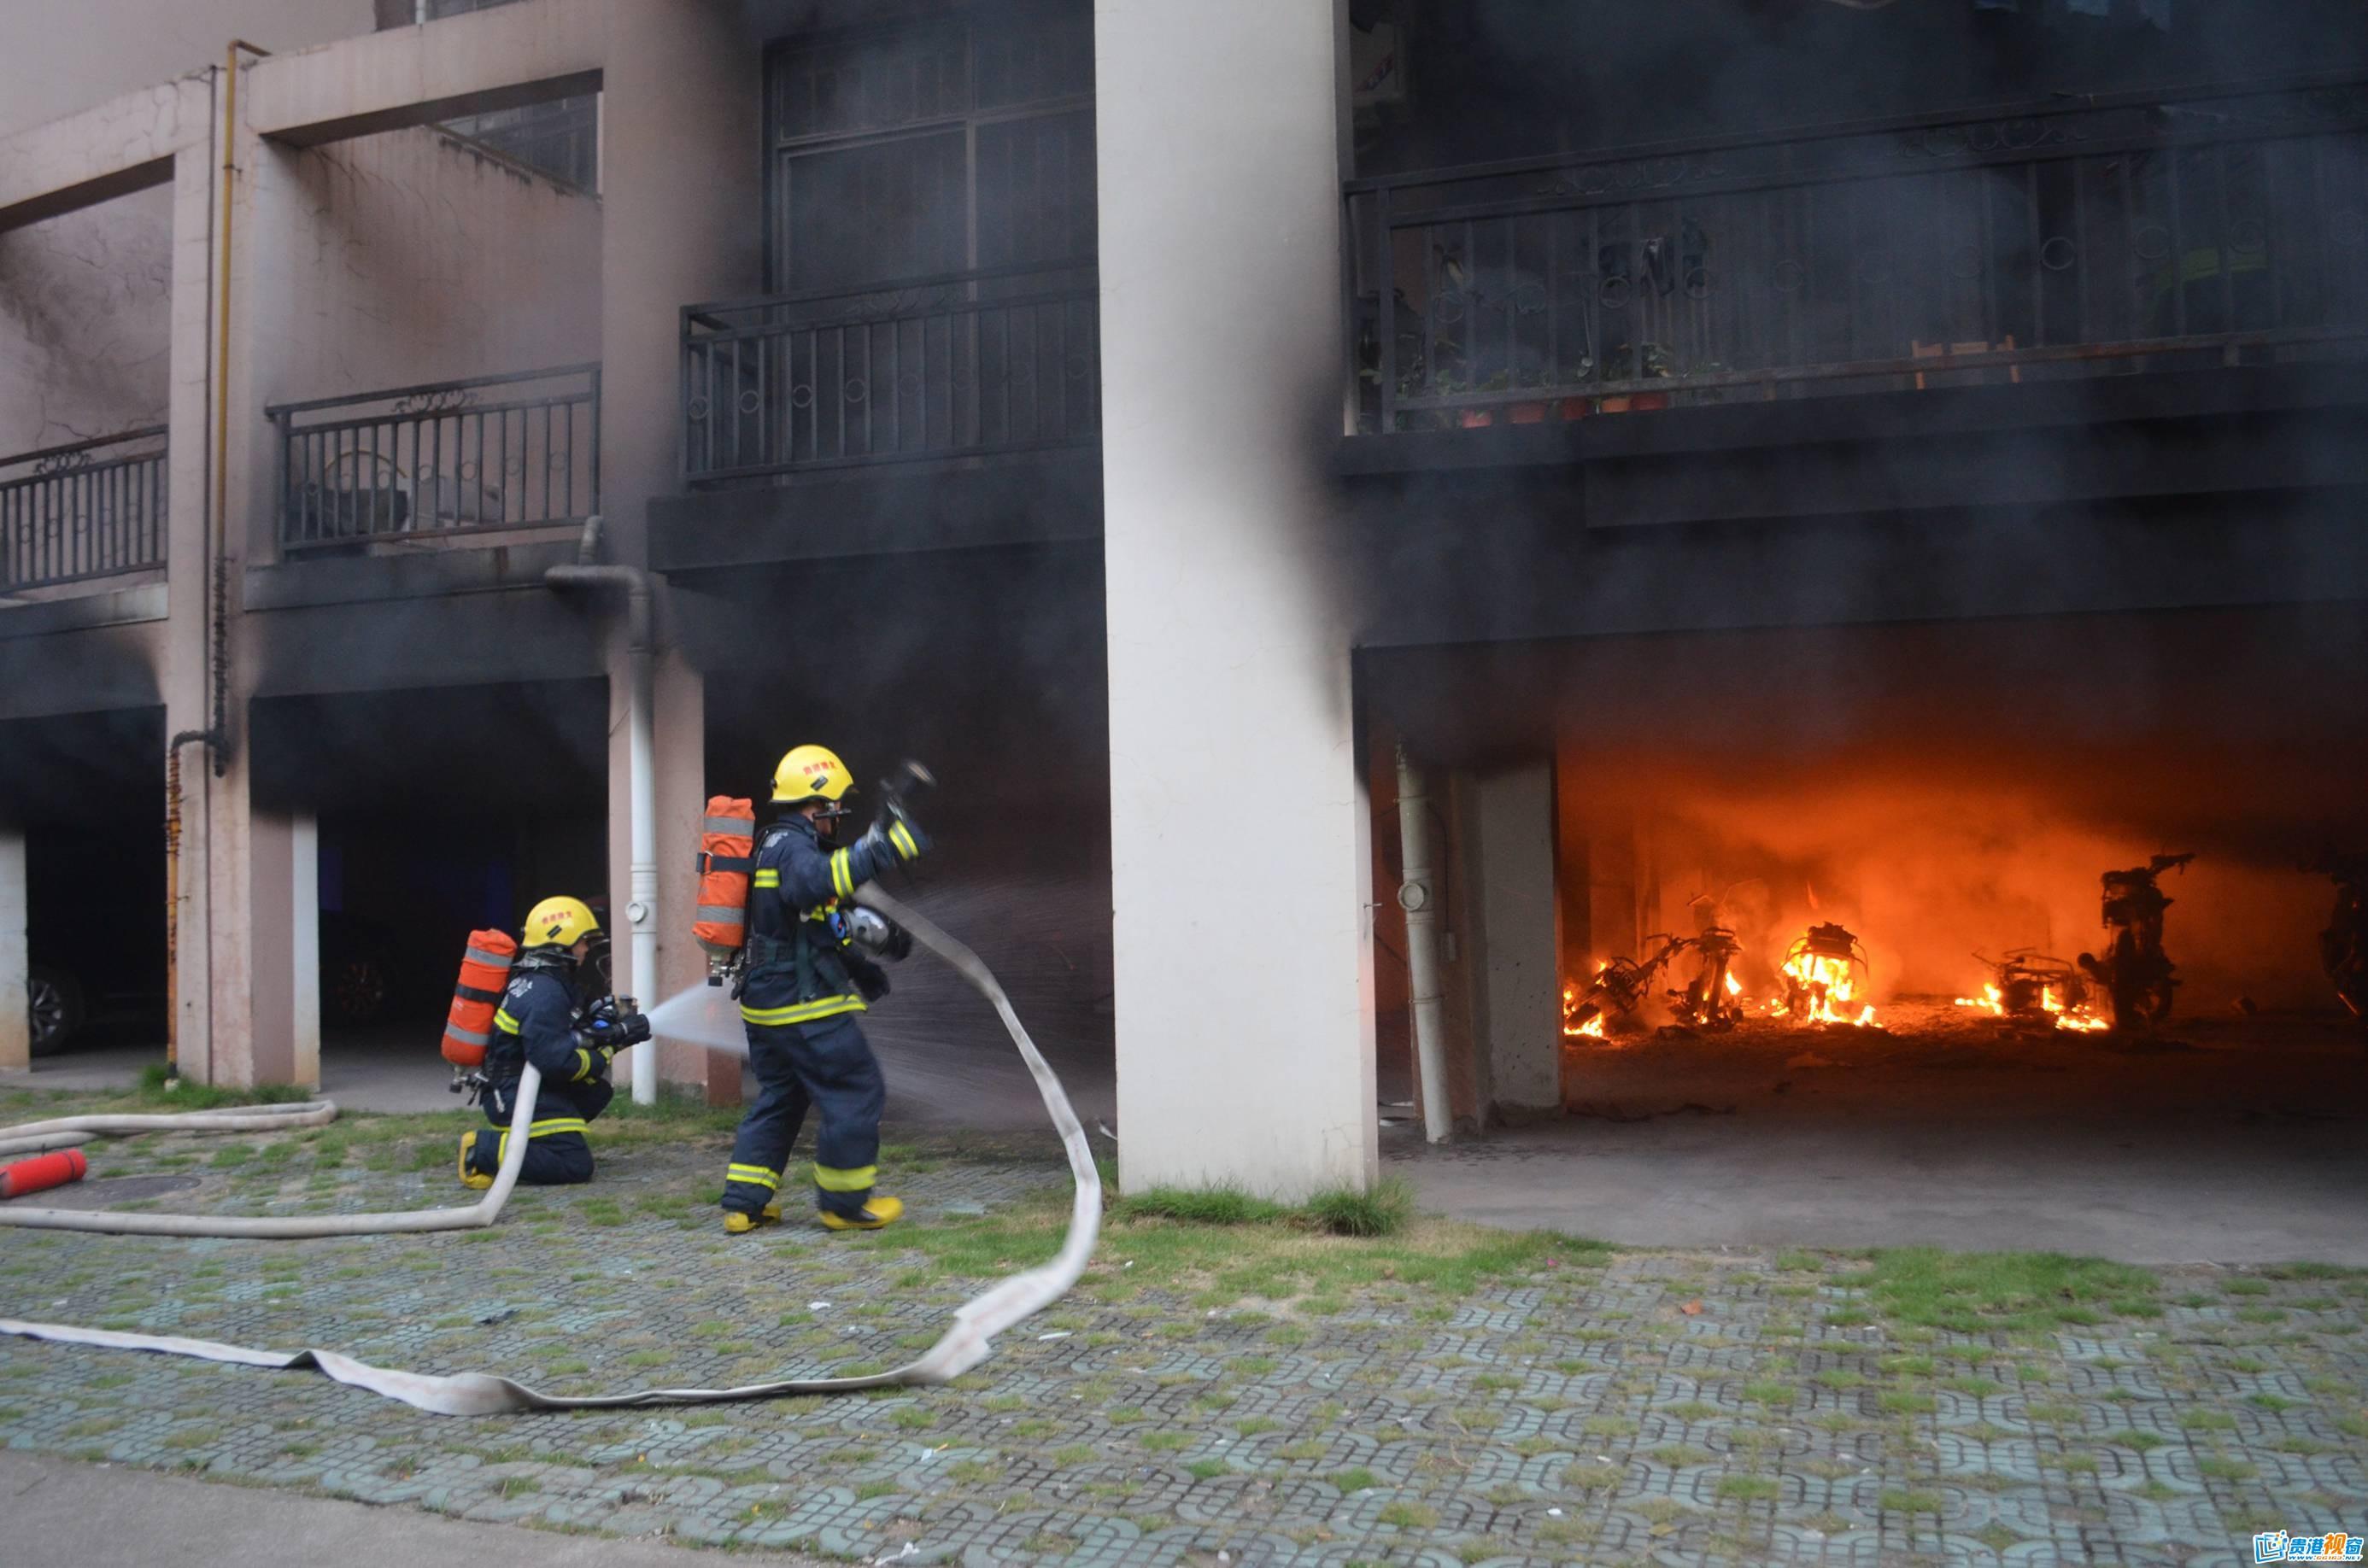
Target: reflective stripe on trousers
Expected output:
[827,1066]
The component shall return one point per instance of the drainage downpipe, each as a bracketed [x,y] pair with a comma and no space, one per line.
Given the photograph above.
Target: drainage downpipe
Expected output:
[1422,950]
[640,769]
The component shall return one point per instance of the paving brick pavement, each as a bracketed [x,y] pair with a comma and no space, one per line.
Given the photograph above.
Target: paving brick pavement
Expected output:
[1557,1404]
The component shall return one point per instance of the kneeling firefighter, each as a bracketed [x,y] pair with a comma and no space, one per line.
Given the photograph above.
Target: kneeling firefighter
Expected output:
[808,973]
[540,1020]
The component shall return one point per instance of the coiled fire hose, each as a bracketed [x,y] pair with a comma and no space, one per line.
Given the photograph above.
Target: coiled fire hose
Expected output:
[964,1345]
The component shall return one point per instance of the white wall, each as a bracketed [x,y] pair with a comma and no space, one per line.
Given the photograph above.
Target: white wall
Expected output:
[61,56]
[1516,881]
[86,305]
[1238,823]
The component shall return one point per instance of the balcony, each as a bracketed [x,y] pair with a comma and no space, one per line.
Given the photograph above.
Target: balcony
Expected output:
[2075,238]
[962,365]
[90,509]
[493,454]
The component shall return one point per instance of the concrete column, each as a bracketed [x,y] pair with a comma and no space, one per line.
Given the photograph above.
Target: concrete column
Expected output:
[182,678]
[1244,993]
[285,881]
[16,1032]
[1515,878]
[245,921]
[681,183]
[682,805]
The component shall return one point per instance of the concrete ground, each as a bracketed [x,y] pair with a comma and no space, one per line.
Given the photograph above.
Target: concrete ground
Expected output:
[64,1514]
[1253,1394]
[2237,1141]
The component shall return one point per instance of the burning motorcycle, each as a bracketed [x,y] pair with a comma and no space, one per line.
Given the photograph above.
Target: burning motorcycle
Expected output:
[2343,946]
[2135,972]
[1619,988]
[1713,1000]
[1825,970]
[2029,987]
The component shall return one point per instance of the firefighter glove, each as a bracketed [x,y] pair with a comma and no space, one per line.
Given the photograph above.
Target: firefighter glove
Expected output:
[868,977]
[896,841]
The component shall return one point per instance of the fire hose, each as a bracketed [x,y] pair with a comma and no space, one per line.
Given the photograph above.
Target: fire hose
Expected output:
[964,1345]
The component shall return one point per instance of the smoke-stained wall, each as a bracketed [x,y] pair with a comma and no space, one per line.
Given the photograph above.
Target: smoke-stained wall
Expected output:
[408,257]
[1509,78]
[86,323]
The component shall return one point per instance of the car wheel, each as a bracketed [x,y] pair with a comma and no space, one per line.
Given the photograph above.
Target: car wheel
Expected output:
[56,1009]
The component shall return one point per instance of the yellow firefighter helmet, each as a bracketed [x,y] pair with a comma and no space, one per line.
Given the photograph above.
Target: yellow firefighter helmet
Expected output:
[811,773]
[559,923]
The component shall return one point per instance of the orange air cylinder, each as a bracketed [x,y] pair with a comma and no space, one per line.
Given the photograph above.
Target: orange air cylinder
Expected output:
[728,848]
[41,1171]
[484,970]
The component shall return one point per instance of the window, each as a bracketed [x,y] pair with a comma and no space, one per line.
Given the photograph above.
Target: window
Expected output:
[933,148]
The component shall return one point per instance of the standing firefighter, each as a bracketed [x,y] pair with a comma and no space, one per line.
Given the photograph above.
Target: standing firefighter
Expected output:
[808,974]
[538,1021]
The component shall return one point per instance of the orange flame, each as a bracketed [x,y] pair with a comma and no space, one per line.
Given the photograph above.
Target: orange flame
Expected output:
[1830,989]
[2082,1018]
[1593,1028]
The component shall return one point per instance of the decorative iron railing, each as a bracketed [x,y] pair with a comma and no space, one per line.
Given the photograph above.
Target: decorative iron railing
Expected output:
[2221,225]
[997,360]
[90,509]
[515,451]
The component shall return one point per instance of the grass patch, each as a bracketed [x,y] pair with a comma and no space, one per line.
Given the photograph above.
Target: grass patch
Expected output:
[1385,1210]
[1409,1516]
[188,1096]
[2143,1442]
[1353,1481]
[2220,1469]
[1198,1206]
[1749,1488]
[1897,1500]
[1976,1292]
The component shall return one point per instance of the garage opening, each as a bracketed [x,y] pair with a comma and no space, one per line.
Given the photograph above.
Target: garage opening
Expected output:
[1993,931]
[430,814]
[82,814]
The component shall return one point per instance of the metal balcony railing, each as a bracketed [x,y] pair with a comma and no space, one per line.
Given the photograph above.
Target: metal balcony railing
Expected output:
[89,509]
[2222,226]
[495,452]
[997,360]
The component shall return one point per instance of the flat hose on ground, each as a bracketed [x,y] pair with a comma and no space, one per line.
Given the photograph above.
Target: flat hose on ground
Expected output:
[963,1346]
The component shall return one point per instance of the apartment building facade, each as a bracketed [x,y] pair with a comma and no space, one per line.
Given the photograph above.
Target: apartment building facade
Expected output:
[1156,418]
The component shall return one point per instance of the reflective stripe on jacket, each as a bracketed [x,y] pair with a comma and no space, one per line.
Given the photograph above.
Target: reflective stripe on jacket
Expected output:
[798,941]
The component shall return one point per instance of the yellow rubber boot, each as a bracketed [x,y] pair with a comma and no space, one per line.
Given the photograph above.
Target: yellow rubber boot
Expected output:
[739,1224]
[477,1180]
[877,1212]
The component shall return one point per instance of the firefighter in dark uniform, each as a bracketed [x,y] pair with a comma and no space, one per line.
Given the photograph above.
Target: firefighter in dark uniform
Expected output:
[807,977]
[538,1021]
